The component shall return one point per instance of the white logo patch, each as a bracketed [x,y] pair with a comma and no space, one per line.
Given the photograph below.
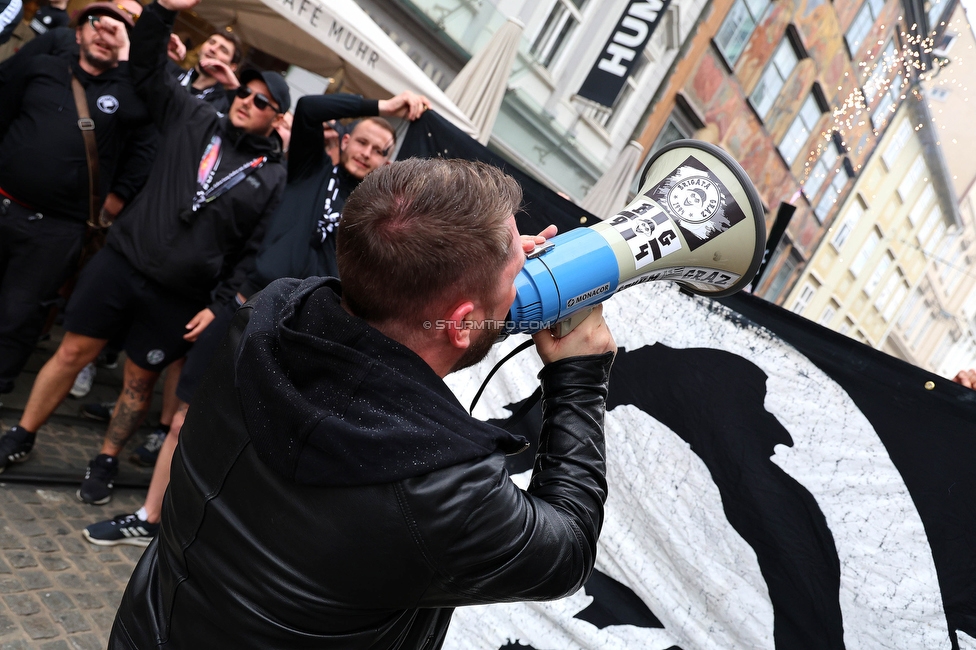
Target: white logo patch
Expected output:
[155,357]
[107,104]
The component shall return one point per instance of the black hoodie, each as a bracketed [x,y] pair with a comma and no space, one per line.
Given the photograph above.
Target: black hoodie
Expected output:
[329,491]
[214,247]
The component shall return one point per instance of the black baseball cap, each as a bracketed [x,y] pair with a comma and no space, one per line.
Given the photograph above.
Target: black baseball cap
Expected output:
[275,82]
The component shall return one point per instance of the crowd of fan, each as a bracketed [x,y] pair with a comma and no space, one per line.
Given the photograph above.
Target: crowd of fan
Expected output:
[144,200]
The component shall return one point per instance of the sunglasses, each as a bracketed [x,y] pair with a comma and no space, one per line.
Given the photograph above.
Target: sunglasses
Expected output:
[261,102]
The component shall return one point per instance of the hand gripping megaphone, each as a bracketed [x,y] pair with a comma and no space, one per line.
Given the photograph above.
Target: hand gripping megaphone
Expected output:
[697,220]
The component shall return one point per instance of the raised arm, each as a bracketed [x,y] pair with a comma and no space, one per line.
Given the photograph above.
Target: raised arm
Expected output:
[167,101]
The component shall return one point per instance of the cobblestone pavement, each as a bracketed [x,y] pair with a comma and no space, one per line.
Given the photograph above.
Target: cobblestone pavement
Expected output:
[57,591]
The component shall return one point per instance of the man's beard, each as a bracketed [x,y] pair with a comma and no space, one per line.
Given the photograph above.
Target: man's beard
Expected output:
[479,348]
[97,63]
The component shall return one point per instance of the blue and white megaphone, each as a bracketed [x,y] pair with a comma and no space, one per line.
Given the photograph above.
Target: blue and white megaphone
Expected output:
[697,220]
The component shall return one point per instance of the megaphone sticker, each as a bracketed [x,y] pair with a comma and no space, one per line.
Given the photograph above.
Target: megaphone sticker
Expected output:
[698,201]
[648,231]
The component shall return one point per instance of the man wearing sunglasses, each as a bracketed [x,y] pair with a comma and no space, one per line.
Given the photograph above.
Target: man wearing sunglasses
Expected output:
[43,215]
[183,244]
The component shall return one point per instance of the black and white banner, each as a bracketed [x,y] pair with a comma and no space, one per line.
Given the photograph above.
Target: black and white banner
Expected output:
[772,485]
[622,51]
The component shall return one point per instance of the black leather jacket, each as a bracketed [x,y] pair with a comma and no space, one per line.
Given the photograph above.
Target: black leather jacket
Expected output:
[286,545]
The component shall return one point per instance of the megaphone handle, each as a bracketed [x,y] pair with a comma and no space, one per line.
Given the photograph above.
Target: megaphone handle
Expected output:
[564,327]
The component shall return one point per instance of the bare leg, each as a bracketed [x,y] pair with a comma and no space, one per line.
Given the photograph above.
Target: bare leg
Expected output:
[57,377]
[170,401]
[131,408]
[160,477]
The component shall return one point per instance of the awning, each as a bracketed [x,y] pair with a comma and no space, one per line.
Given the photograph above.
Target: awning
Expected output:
[333,38]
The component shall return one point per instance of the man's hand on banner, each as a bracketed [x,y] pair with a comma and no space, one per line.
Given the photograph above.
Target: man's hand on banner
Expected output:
[406,105]
[967,378]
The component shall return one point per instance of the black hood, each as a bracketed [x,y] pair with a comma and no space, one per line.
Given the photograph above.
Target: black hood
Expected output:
[330,401]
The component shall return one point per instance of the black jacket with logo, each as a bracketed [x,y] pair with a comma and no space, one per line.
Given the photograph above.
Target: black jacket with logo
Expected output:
[42,150]
[204,255]
[329,491]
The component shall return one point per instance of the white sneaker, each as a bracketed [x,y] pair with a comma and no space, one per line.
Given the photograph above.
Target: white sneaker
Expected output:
[84,381]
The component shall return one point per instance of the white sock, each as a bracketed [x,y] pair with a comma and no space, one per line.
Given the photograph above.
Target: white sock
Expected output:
[142,514]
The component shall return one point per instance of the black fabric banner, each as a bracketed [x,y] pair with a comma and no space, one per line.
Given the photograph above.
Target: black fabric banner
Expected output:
[432,136]
[773,484]
[622,51]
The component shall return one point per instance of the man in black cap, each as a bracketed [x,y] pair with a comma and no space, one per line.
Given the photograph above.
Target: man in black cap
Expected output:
[183,244]
[43,215]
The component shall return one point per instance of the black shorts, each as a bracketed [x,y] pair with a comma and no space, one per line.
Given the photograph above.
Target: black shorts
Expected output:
[113,299]
[202,352]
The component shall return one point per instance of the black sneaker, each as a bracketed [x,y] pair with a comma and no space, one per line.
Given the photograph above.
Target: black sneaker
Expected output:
[101,411]
[146,454]
[123,529]
[15,446]
[96,489]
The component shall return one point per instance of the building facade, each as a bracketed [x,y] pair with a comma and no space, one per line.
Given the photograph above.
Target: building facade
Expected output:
[545,125]
[893,270]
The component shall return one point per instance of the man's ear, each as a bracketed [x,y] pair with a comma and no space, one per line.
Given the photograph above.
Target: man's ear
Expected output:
[78,34]
[457,327]
[344,140]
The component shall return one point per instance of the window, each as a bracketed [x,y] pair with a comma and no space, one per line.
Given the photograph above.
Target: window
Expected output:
[557,29]
[846,326]
[865,253]
[773,78]
[854,213]
[940,229]
[861,25]
[806,295]
[879,272]
[923,200]
[821,169]
[831,195]
[911,179]
[931,222]
[936,7]
[828,313]
[801,128]
[738,26]
[879,76]
[886,107]
[901,290]
[790,262]
[896,144]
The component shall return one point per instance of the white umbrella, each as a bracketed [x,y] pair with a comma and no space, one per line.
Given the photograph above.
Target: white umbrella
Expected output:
[479,87]
[609,194]
[333,38]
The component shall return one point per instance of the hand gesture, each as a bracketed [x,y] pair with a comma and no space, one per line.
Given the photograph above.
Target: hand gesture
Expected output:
[406,105]
[221,72]
[176,49]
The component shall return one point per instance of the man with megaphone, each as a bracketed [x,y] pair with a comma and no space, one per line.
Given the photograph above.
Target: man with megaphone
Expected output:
[329,491]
